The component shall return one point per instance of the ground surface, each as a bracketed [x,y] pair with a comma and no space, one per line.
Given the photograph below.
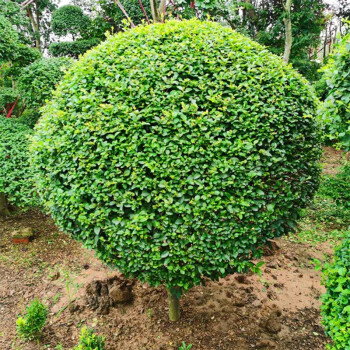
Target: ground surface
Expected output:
[278,310]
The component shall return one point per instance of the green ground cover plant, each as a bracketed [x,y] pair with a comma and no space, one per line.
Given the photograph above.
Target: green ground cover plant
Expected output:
[176,150]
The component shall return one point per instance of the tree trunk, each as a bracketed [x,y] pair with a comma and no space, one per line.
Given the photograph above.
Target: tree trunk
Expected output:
[154,9]
[174,306]
[3,206]
[35,27]
[288,29]
[158,13]
[162,9]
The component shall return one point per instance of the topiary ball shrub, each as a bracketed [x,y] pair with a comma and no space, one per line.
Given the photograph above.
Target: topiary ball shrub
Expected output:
[336,302]
[176,150]
[16,175]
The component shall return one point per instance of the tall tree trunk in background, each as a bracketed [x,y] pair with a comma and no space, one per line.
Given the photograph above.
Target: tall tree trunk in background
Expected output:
[35,24]
[288,30]
[158,13]
[3,206]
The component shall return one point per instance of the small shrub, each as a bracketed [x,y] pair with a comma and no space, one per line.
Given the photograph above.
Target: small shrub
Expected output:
[30,325]
[88,340]
[335,307]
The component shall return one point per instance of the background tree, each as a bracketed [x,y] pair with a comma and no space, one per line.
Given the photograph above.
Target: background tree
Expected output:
[113,15]
[288,31]
[39,12]
[70,20]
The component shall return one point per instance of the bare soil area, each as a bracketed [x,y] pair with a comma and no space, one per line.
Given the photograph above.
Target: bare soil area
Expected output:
[277,310]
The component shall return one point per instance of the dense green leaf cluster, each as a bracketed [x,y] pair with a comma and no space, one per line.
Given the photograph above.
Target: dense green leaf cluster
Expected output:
[336,302]
[72,48]
[176,150]
[335,111]
[16,176]
[39,79]
[69,19]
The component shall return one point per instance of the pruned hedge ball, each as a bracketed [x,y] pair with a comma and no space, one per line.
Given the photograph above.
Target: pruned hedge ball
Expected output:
[175,150]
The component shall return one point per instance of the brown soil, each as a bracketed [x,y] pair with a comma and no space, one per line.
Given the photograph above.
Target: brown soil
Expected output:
[278,310]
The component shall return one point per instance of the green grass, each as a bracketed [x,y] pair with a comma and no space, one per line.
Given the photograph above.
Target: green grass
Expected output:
[325,220]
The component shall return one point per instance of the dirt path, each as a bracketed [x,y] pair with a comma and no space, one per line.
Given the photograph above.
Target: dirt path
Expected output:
[278,310]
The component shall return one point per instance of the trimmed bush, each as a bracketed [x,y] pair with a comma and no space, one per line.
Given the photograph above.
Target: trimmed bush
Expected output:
[335,111]
[16,176]
[336,302]
[176,150]
[37,80]
[72,48]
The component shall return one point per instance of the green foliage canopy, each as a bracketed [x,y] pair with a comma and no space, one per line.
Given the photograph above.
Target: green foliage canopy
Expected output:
[175,150]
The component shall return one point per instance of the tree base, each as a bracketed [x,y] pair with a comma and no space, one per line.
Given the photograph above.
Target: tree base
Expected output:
[174,307]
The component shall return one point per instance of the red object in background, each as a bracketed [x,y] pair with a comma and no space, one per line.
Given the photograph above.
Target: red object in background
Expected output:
[12,108]
[20,240]
[192,4]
